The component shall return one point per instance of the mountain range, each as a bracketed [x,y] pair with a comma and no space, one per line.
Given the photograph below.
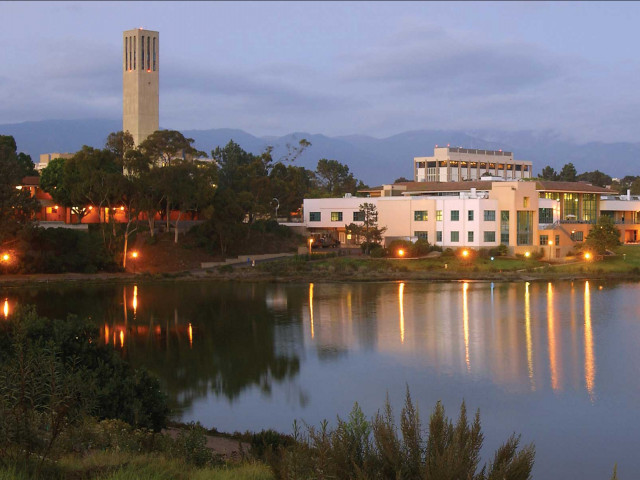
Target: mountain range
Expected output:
[372,160]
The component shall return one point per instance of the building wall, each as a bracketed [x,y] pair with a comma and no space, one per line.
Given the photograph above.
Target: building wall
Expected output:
[140,83]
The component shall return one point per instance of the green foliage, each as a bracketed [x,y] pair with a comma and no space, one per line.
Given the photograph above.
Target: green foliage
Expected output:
[16,206]
[362,449]
[334,179]
[568,173]
[499,251]
[603,236]
[191,445]
[595,178]
[368,233]
[548,173]
[115,389]
[58,250]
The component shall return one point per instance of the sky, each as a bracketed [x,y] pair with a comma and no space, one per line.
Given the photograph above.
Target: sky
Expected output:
[336,68]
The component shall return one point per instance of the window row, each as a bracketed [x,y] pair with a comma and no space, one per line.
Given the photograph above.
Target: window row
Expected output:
[335,216]
[147,53]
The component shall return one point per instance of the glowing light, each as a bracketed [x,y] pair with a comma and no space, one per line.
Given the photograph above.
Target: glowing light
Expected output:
[6,308]
[311,304]
[190,330]
[550,242]
[401,253]
[465,254]
[56,207]
[587,256]
[465,324]
[401,306]
[553,364]
[90,207]
[589,354]
[134,254]
[5,257]
[121,338]
[122,209]
[527,322]
[135,299]
[106,334]
[527,254]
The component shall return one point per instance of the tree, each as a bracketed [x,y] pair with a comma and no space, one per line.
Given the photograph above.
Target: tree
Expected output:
[634,187]
[595,178]
[568,173]
[401,180]
[334,178]
[166,146]
[369,229]
[603,236]
[54,181]
[120,143]
[548,173]
[16,205]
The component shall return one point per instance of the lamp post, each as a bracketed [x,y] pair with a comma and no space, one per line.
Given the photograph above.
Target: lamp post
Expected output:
[277,207]
[134,257]
[550,248]
[310,242]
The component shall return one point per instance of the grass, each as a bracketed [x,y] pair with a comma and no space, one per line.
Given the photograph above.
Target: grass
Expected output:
[111,465]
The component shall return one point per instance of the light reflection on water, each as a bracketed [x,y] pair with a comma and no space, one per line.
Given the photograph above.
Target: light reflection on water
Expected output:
[531,355]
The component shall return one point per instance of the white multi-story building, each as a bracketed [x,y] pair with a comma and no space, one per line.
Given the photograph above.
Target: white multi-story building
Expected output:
[454,164]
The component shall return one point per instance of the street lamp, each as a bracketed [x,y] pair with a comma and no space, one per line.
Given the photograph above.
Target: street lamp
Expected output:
[550,243]
[587,256]
[401,253]
[134,256]
[310,242]
[277,207]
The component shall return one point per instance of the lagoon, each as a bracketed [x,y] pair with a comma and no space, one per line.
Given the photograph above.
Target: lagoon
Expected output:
[557,362]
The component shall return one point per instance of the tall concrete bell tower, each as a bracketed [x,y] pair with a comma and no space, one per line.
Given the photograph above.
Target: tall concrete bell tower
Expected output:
[140,83]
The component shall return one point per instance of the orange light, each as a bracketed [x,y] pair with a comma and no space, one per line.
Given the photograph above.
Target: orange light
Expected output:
[56,207]
[527,254]
[401,253]
[5,257]
[134,254]
[149,70]
[6,308]
[465,253]
[90,208]
[587,256]
[122,209]
[550,242]
[121,338]
[190,336]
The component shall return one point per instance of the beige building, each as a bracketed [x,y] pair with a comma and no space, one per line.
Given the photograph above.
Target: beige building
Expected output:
[454,164]
[45,158]
[140,83]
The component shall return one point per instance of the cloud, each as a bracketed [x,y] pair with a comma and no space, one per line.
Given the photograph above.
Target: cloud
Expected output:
[431,60]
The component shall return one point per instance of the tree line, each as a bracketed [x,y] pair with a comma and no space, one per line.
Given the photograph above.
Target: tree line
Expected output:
[568,173]
[167,175]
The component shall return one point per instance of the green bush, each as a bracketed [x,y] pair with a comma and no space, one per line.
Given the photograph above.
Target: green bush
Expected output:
[378,252]
[191,446]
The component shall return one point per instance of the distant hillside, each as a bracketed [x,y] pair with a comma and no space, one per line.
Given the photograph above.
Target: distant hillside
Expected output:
[374,160]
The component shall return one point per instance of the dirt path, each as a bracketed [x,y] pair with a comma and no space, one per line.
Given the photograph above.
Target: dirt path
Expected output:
[230,449]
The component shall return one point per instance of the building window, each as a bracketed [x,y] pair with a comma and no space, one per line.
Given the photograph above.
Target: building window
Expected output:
[148,54]
[126,53]
[420,215]
[154,54]
[134,53]
[490,237]
[589,208]
[470,215]
[455,215]
[489,215]
[570,206]
[314,216]
[525,202]
[577,236]
[544,240]
[545,215]
[455,236]
[422,235]
[438,215]
[358,216]
[142,51]
[336,216]
[469,236]
[504,227]
[524,227]
[557,240]
[439,236]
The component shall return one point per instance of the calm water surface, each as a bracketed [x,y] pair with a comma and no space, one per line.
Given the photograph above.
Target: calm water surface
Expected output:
[557,362]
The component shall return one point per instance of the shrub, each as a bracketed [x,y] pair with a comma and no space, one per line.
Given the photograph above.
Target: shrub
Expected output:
[191,446]
[396,245]
[420,248]
[361,448]
[378,252]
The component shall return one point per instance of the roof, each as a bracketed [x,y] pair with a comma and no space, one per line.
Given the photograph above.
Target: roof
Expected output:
[445,186]
[31,180]
[578,187]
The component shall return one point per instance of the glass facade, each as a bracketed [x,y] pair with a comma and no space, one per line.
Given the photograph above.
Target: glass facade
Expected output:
[504,227]
[589,207]
[524,227]
[570,206]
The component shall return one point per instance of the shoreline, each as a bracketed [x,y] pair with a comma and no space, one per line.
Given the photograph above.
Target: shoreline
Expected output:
[246,274]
